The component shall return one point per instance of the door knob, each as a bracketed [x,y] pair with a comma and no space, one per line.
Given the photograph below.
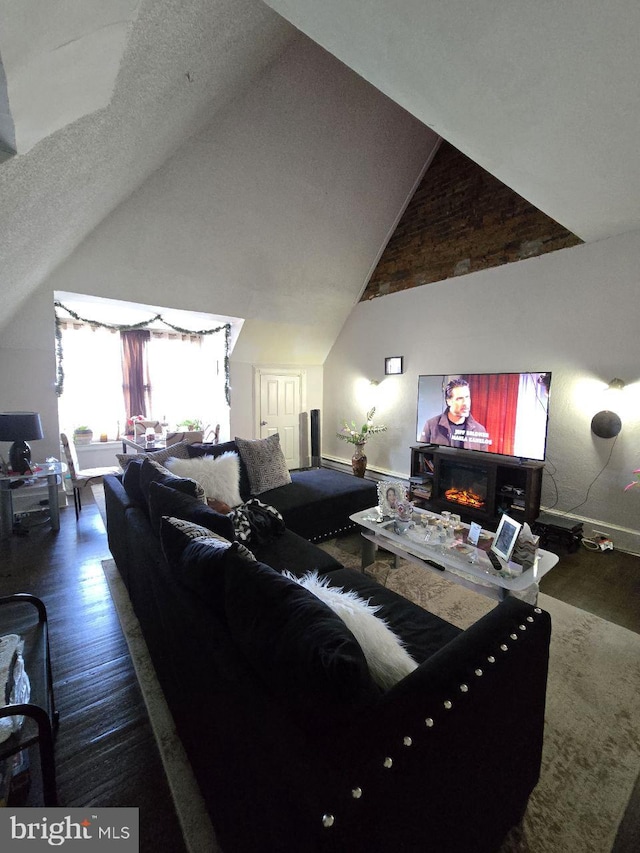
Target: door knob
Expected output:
[263,423]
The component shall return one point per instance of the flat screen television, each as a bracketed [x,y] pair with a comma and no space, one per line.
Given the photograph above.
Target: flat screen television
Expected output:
[504,413]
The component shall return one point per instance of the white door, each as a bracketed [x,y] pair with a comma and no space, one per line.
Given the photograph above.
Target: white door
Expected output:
[280,408]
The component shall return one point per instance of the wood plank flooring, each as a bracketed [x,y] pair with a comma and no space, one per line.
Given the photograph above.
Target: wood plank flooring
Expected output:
[106,753]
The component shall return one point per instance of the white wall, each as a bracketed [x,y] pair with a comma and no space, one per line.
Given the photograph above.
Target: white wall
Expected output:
[275,213]
[574,312]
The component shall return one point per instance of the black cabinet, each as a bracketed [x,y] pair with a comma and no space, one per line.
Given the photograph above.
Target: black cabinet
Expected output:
[478,486]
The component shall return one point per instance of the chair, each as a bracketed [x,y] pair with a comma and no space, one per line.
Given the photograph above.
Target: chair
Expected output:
[81,477]
[190,436]
[140,427]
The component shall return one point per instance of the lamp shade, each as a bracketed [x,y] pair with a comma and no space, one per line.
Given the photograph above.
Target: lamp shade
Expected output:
[20,426]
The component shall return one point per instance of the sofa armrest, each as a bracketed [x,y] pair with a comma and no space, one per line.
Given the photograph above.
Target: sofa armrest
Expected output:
[117,502]
[450,755]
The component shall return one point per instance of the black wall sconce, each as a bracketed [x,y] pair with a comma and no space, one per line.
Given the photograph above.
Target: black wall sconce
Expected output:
[607,424]
[394,365]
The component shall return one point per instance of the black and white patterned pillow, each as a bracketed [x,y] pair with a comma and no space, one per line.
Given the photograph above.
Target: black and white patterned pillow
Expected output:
[265,463]
[194,531]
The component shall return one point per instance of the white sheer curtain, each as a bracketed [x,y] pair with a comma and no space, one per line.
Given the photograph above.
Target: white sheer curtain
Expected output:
[187,378]
[92,394]
[186,375]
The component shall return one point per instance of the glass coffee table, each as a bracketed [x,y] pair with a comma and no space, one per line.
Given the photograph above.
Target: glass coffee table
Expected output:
[452,558]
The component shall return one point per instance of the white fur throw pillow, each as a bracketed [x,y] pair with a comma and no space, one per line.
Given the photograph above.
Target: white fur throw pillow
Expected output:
[388,660]
[219,476]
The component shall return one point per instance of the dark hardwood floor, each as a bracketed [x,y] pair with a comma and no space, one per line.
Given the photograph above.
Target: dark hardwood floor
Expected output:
[105,751]
[106,754]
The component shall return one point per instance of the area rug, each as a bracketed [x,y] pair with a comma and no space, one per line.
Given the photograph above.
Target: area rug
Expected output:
[591,755]
[198,833]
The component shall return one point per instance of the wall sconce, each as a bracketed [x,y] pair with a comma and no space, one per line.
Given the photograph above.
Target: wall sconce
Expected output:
[607,424]
[394,365]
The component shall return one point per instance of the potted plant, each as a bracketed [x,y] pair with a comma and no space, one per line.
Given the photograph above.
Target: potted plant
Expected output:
[191,424]
[82,435]
[359,438]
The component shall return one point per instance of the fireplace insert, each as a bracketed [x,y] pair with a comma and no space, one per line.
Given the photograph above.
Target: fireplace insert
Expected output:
[464,485]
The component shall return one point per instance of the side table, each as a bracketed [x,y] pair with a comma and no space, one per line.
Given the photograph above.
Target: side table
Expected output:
[49,471]
[26,615]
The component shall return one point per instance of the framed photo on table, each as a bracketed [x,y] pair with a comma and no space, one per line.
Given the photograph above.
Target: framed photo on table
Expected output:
[505,538]
[390,494]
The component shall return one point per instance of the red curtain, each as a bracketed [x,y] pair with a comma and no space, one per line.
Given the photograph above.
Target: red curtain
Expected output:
[494,402]
[135,371]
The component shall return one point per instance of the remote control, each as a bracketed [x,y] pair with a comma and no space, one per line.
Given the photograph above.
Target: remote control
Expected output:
[495,562]
[435,565]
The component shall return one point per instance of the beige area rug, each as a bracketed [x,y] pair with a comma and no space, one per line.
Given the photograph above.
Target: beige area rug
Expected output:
[194,819]
[591,756]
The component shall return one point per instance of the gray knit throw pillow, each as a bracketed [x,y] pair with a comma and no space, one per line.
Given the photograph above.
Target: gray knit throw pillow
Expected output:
[265,463]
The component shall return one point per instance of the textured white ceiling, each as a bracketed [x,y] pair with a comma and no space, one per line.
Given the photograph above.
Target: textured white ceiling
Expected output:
[544,96]
[60,61]
[182,62]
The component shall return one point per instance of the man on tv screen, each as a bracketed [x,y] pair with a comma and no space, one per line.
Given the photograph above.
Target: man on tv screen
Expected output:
[456,426]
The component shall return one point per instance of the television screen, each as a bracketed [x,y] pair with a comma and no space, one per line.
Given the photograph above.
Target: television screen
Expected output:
[503,413]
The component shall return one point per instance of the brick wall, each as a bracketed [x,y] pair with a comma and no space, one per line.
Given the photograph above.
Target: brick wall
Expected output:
[461,219]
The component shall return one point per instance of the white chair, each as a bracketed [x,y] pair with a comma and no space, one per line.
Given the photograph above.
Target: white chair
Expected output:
[81,477]
[190,436]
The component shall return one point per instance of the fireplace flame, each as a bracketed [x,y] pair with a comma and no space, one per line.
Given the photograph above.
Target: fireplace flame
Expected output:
[465,497]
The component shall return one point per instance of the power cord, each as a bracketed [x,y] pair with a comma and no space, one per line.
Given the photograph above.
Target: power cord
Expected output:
[591,484]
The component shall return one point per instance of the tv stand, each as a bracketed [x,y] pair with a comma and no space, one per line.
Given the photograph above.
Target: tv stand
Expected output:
[442,476]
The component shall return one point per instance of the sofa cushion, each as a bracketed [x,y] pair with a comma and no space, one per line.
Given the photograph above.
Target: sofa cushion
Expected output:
[423,633]
[219,476]
[197,559]
[265,463]
[295,554]
[205,449]
[304,652]
[152,472]
[318,502]
[176,534]
[131,481]
[179,450]
[388,660]
[164,500]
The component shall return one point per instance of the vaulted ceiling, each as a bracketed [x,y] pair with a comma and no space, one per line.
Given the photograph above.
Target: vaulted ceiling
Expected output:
[95,95]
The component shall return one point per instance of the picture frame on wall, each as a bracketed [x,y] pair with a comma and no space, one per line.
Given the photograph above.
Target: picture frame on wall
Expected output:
[390,494]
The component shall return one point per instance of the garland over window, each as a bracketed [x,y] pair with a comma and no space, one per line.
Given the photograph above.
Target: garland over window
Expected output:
[144,324]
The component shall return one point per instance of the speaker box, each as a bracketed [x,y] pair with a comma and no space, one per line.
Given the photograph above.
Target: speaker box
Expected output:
[315,438]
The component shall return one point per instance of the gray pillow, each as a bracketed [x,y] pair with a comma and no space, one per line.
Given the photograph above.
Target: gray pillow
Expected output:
[179,451]
[265,463]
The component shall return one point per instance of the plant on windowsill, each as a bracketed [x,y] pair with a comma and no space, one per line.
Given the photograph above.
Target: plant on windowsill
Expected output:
[191,424]
[359,438]
[82,435]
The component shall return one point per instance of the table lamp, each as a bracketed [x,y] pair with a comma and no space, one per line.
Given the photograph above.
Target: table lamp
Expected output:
[20,427]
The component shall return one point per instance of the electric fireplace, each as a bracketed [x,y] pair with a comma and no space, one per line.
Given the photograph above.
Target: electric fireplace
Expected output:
[463,486]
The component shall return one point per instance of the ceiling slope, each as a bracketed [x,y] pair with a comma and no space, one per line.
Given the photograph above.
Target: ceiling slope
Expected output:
[545,97]
[183,62]
[60,65]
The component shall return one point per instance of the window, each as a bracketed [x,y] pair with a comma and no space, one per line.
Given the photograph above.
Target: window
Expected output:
[184,375]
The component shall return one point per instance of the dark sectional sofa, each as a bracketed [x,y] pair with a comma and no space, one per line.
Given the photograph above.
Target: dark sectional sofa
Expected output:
[294,747]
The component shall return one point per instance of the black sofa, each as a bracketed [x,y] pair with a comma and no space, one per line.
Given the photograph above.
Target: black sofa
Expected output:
[293,745]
